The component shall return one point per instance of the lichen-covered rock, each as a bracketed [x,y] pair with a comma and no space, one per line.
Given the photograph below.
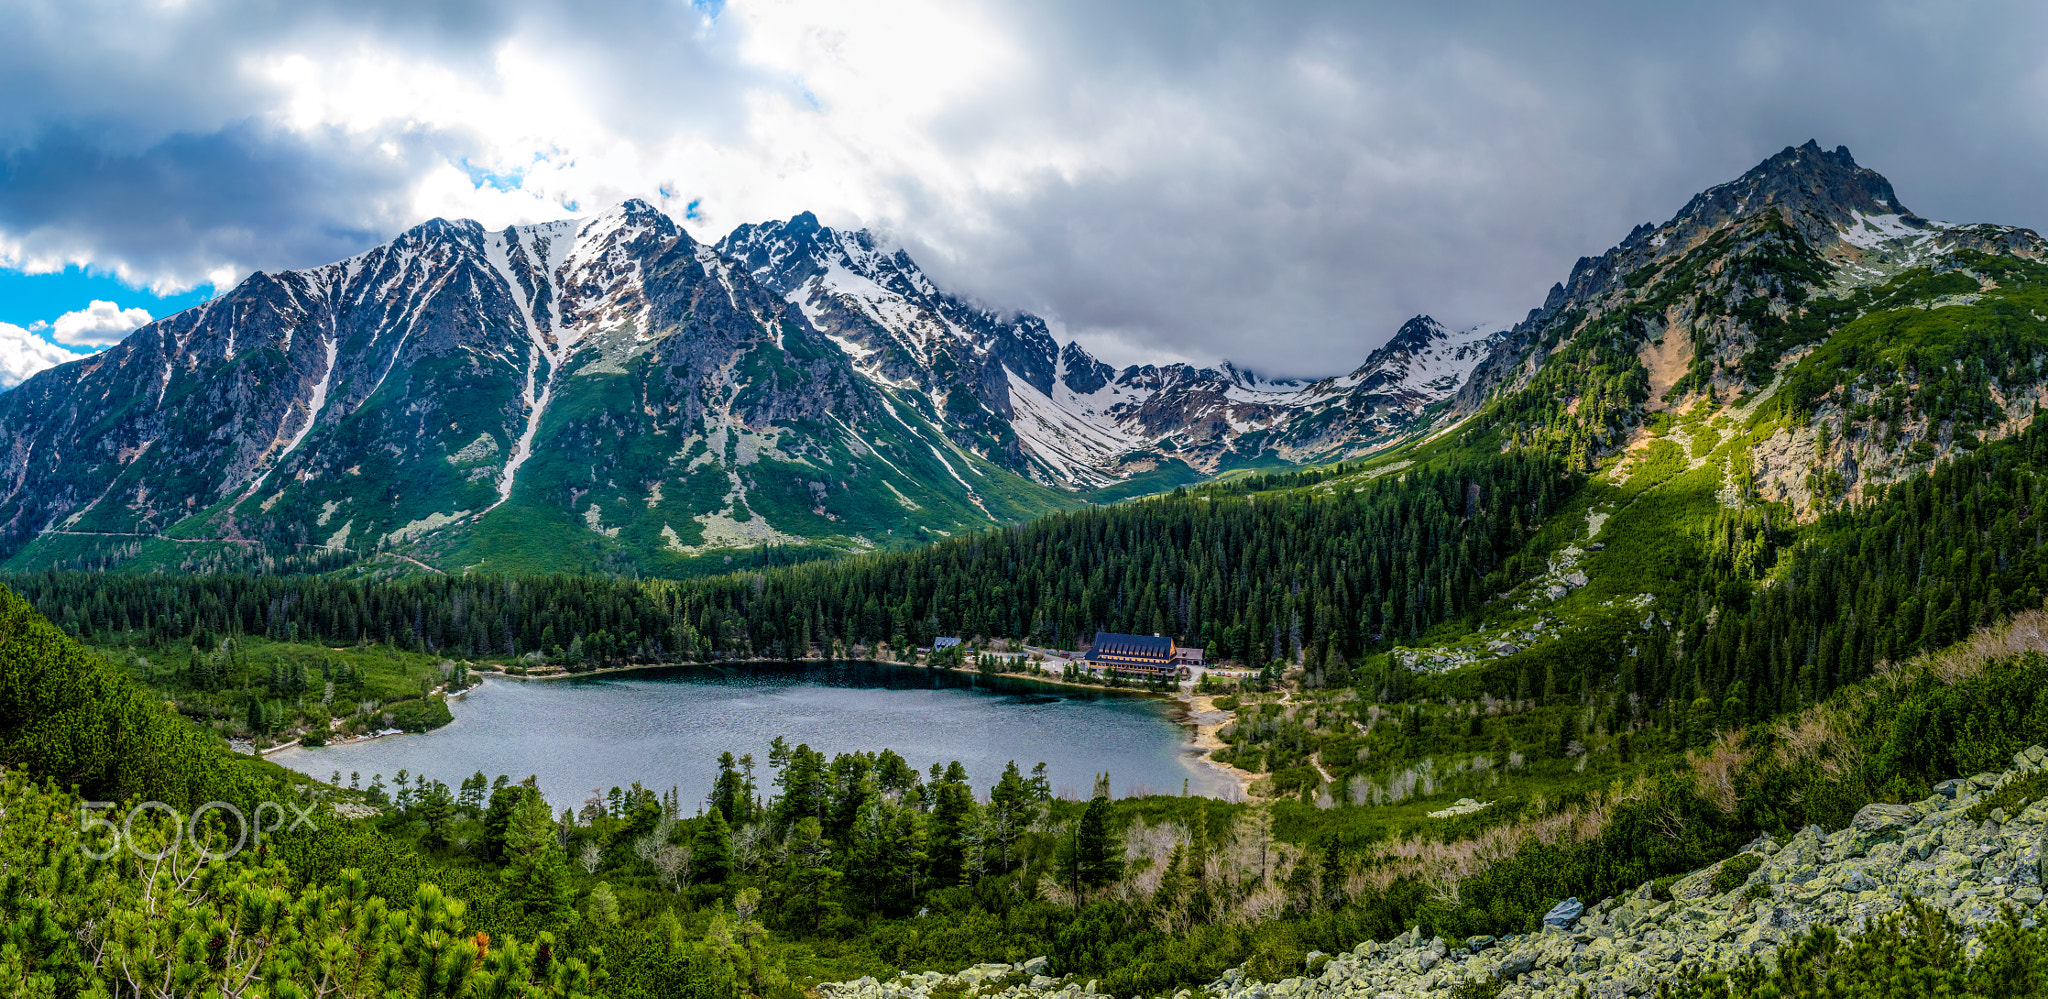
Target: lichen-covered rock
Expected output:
[1884,818]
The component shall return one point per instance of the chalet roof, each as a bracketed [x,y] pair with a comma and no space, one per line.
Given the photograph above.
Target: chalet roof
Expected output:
[1150,646]
[944,643]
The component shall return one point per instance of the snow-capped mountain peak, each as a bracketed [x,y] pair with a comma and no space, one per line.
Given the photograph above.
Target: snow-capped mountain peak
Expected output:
[1057,413]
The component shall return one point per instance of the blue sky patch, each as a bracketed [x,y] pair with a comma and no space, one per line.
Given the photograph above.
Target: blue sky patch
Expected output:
[27,299]
[479,177]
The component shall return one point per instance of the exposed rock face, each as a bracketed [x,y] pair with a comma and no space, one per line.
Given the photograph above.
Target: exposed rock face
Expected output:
[899,329]
[1929,850]
[801,384]
[1846,213]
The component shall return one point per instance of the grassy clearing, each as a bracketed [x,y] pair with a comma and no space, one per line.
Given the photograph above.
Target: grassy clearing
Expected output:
[269,691]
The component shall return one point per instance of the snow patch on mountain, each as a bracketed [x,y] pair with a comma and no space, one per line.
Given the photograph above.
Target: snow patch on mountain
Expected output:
[1072,433]
[1871,231]
[1437,366]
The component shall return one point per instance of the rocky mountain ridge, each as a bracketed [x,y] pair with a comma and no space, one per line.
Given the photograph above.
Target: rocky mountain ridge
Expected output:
[1738,294]
[643,401]
[1058,414]
[1973,851]
[603,392]
[637,398]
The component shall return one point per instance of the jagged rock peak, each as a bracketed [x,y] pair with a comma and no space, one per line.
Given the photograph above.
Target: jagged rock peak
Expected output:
[630,219]
[1807,180]
[1082,372]
[1418,332]
[784,255]
[439,230]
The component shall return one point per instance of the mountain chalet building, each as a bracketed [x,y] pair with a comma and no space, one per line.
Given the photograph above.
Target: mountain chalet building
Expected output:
[1152,656]
[1147,655]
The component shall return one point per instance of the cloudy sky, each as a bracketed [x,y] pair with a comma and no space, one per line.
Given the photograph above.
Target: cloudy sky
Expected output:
[1279,184]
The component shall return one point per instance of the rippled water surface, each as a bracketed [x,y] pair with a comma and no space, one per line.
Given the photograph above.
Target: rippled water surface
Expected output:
[666,727]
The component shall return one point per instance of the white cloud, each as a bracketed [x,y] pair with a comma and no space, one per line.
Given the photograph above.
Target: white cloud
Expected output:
[101,324]
[22,354]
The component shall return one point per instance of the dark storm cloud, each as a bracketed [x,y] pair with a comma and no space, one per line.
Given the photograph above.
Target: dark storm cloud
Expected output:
[1280,184]
[243,195]
[1340,168]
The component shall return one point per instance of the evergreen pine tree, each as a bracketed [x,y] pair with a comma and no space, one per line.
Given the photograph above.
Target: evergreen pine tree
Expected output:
[536,875]
[1097,858]
[711,849]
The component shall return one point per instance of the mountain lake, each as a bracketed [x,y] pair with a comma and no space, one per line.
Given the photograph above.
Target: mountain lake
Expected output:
[665,727]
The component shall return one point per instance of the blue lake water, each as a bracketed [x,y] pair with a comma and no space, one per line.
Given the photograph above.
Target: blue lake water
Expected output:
[666,727]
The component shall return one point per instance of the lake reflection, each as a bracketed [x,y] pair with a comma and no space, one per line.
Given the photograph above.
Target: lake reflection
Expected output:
[665,727]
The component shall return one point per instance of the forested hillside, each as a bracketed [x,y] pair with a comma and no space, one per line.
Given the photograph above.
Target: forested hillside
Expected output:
[1259,575]
[855,864]
[1328,573]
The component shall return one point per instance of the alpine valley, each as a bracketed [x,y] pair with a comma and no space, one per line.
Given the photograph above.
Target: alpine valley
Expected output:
[1686,637]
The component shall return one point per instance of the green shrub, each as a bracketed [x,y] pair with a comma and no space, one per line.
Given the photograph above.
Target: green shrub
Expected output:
[1914,951]
[1294,780]
[1735,870]
[1486,987]
[419,715]
[2016,795]
[68,714]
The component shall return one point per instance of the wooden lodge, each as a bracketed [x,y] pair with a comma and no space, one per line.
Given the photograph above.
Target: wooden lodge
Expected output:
[1145,655]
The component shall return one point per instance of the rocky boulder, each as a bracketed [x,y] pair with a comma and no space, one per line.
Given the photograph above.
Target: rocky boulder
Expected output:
[1876,819]
[1564,914]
